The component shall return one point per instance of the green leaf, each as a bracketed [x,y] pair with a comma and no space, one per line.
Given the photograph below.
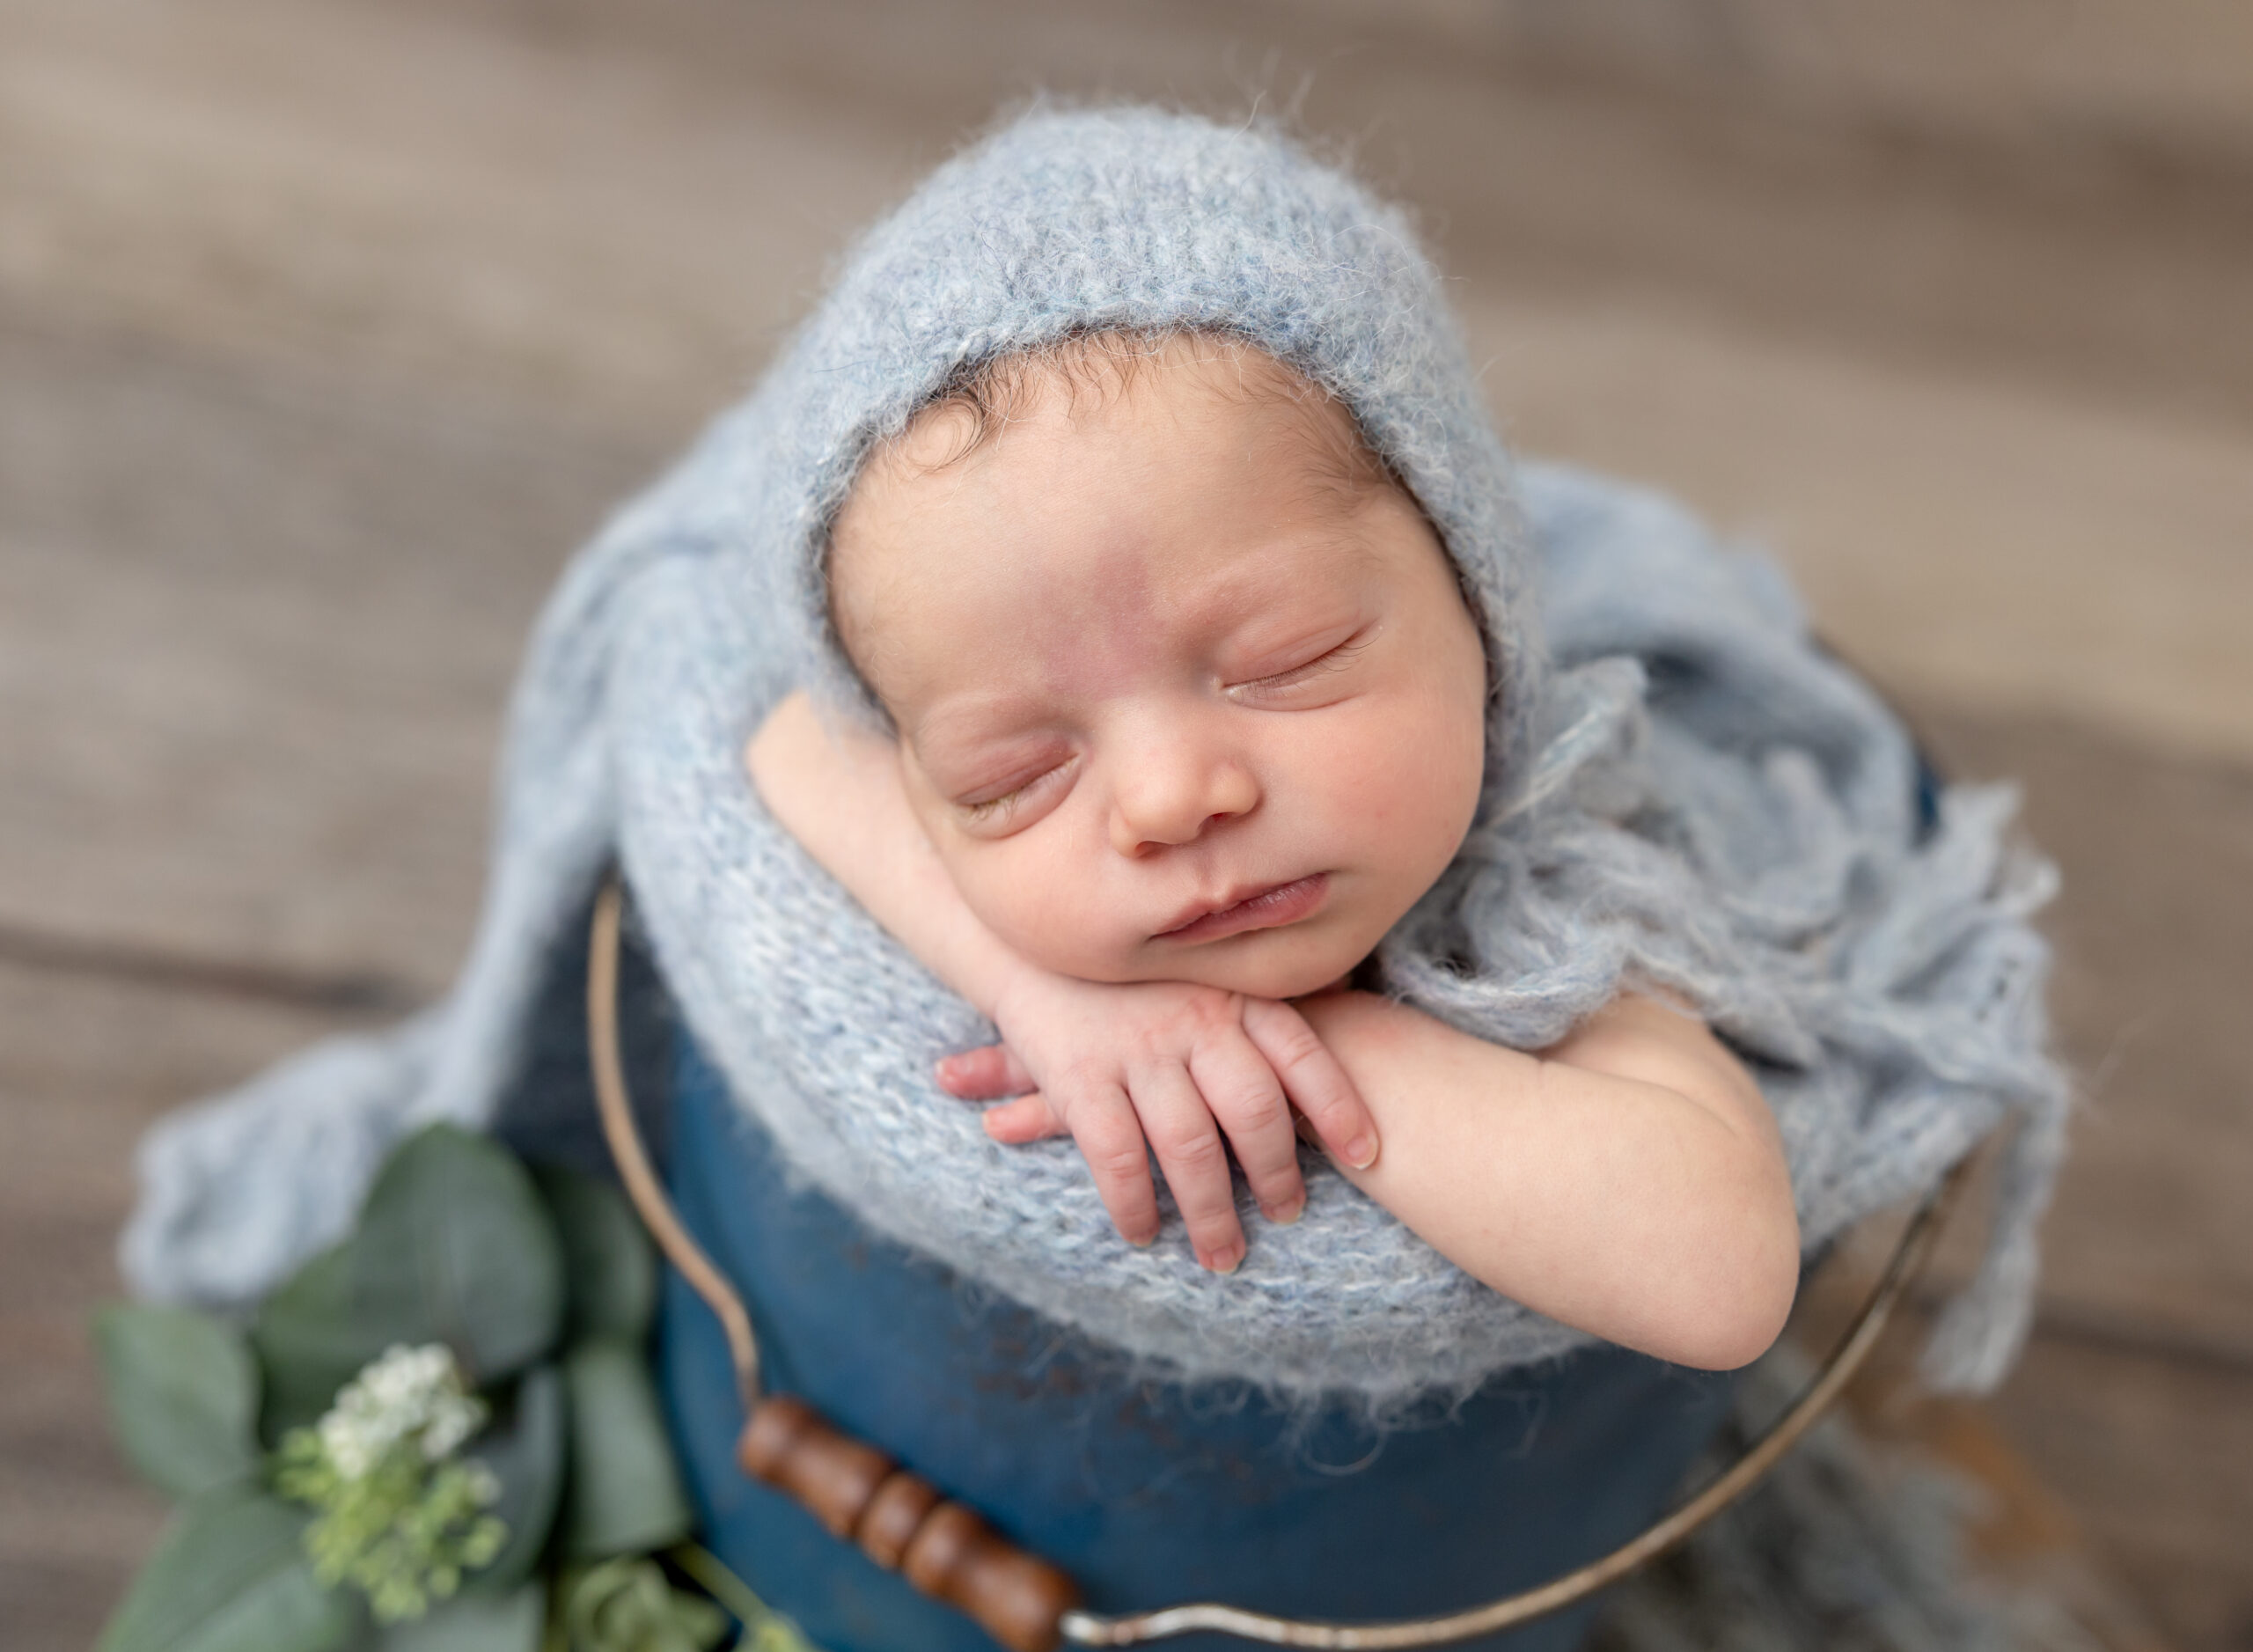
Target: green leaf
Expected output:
[455,1243]
[230,1576]
[311,1341]
[454,1246]
[183,1396]
[524,1447]
[513,1622]
[607,1258]
[623,1494]
[629,1604]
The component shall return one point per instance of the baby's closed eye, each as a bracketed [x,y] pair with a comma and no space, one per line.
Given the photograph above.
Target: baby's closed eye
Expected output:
[1306,680]
[998,809]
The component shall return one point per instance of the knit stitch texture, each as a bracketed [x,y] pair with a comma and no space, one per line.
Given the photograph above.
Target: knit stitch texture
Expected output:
[1681,790]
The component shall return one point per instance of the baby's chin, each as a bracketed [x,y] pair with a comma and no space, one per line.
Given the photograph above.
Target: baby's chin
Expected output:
[1270,963]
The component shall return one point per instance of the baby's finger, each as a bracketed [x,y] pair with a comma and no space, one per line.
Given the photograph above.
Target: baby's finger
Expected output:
[1196,1165]
[984,1074]
[1247,1099]
[1110,1140]
[1314,1080]
[1026,1119]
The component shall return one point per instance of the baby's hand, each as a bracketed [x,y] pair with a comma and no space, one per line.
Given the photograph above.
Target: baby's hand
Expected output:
[1163,1061]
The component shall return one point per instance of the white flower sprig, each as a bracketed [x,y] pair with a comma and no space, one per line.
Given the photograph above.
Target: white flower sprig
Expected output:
[408,1393]
[398,1515]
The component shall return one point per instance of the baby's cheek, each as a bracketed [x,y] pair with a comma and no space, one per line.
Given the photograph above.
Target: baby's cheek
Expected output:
[1399,799]
[1040,908]
[1397,769]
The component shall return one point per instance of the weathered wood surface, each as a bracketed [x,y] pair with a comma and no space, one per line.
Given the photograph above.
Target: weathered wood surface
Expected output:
[326,329]
[85,1063]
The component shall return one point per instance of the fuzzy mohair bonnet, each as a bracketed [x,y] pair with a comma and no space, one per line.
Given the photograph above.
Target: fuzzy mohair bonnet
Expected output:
[1682,791]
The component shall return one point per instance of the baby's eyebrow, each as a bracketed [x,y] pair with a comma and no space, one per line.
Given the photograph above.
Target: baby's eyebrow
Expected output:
[1273,604]
[959,724]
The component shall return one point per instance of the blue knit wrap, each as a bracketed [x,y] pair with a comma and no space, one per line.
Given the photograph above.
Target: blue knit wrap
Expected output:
[1681,789]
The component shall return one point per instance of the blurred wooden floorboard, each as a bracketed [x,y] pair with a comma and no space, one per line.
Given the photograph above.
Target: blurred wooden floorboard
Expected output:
[84,1066]
[2154,936]
[2149,1451]
[260,629]
[307,389]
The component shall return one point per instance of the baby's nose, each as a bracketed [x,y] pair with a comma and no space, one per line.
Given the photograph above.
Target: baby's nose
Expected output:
[1176,793]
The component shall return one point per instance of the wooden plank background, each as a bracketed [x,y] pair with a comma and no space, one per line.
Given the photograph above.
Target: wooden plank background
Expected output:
[327,328]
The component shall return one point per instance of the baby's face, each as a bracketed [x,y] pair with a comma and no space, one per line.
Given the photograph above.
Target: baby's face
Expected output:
[1178,698]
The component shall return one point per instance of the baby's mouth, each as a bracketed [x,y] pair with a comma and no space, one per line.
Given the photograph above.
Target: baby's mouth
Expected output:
[1267,908]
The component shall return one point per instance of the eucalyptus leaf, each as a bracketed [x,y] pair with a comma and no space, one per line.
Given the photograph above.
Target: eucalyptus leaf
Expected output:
[312,1340]
[230,1576]
[608,1257]
[512,1622]
[455,1241]
[629,1604]
[623,1492]
[524,1448]
[183,1396]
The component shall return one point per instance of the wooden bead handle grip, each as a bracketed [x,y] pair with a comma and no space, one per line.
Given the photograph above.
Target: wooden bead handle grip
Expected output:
[903,1525]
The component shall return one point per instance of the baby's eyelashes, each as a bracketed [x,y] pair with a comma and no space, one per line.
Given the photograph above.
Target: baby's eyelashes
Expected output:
[993,808]
[998,815]
[1302,681]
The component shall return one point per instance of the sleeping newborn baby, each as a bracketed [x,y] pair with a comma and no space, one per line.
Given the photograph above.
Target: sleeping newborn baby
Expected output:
[1187,709]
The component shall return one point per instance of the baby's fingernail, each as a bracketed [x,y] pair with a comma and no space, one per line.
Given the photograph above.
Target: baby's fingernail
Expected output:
[1223,1260]
[1360,1152]
[1141,1242]
[1284,1216]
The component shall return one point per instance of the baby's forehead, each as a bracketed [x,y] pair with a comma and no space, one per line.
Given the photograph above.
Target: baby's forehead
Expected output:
[1104,376]
[1084,472]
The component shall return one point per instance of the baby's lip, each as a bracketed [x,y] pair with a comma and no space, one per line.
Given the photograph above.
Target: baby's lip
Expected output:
[1259,907]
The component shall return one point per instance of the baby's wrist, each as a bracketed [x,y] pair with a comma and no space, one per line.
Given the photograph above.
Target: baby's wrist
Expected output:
[1018,988]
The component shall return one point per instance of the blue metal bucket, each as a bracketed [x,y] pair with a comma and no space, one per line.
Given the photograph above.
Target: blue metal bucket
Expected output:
[1147,1493]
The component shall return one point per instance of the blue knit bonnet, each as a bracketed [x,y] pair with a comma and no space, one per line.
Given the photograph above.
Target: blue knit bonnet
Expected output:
[1134,220]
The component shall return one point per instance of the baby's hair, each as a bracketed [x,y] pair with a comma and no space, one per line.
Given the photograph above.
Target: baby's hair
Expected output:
[981,397]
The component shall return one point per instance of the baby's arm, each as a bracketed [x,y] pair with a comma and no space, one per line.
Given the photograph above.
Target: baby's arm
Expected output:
[1116,1065]
[1629,1180]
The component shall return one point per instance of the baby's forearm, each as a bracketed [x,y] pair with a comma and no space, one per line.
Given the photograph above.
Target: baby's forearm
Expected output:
[837,790]
[1648,1203]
